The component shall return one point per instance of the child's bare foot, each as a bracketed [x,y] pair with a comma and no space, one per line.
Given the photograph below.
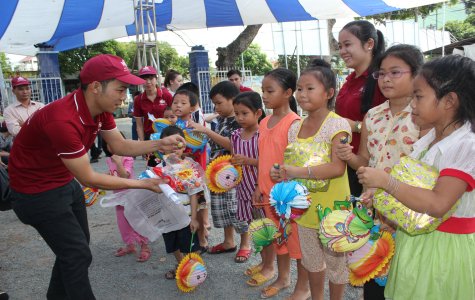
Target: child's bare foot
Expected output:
[145,253]
[125,250]
[300,295]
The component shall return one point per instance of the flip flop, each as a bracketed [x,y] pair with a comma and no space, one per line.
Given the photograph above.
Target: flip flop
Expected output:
[258,279]
[271,291]
[244,254]
[253,270]
[125,250]
[145,254]
[218,249]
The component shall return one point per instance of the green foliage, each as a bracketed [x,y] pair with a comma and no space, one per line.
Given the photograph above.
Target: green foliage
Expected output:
[71,61]
[292,62]
[255,60]
[6,66]
[462,29]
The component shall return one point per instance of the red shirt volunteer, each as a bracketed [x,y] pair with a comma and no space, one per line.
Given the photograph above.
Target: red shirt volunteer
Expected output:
[62,129]
[245,89]
[348,102]
[143,106]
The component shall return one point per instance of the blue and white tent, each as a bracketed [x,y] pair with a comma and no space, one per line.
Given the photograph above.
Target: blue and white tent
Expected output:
[67,24]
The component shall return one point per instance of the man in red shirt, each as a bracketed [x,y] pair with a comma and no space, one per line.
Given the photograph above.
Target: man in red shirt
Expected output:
[235,77]
[51,150]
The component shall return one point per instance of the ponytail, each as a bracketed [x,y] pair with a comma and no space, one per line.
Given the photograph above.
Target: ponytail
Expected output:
[293,104]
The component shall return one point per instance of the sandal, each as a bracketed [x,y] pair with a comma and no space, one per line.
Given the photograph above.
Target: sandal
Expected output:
[125,250]
[170,275]
[242,255]
[271,291]
[218,249]
[145,253]
[258,279]
[253,270]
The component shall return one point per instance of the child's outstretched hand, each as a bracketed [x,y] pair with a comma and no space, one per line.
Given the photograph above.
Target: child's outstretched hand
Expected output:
[239,160]
[344,151]
[194,225]
[278,173]
[372,178]
[367,197]
[257,197]
[197,127]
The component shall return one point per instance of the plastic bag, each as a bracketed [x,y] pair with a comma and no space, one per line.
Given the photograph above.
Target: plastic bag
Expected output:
[151,214]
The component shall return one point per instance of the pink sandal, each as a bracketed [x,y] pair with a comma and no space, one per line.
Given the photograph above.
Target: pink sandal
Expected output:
[122,251]
[145,253]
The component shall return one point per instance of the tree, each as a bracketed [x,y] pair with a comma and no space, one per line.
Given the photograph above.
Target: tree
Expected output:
[6,66]
[292,61]
[462,29]
[228,55]
[169,59]
[254,60]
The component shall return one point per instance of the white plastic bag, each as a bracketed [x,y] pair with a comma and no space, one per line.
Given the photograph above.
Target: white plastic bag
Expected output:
[151,214]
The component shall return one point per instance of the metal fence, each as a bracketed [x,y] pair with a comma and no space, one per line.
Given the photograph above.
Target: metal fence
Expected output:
[208,78]
[43,90]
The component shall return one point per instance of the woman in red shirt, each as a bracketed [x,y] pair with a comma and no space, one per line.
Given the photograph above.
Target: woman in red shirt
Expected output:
[360,45]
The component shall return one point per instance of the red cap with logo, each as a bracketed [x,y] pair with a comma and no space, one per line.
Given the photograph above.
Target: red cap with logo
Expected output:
[17,81]
[147,70]
[105,67]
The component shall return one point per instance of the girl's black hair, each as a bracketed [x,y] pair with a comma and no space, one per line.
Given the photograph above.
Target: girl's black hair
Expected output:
[104,146]
[171,130]
[226,88]
[453,73]
[169,76]
[364,30]
[287,80]
[411,55]
[322,71]
[191,96]
[251,100]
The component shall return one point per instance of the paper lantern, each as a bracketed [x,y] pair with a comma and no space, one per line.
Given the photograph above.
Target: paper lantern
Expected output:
[91,195]
[263,232]
[223,176]
[414,173]
[191,272]
[290,199]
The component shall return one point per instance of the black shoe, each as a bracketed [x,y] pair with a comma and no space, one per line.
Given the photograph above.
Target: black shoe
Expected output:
[93,160]
[3,296]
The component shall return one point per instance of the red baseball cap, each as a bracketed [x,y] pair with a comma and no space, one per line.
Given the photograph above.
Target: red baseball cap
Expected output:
[147,70]
[106,66]
[17,81]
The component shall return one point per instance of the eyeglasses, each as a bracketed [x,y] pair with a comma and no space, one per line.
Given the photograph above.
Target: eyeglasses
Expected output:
[391,74]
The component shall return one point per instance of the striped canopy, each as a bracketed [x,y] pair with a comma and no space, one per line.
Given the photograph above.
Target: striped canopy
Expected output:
[67,24]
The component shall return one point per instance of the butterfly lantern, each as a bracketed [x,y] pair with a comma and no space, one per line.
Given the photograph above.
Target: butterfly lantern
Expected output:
[263,232]
[223,176]
[372,260]
[346,230]
[191,273]
[290,200]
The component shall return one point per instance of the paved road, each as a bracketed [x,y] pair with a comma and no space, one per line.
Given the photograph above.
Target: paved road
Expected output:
[26,262]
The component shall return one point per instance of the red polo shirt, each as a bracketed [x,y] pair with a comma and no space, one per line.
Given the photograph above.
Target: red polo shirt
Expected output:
[61,129]
[245,89]
[143,106]
[348,102]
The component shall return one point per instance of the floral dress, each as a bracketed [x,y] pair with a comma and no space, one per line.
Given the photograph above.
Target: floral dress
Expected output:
[389,137]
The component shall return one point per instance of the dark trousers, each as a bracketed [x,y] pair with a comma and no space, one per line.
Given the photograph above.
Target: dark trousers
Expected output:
[355,187]
[60,217]
[135,136]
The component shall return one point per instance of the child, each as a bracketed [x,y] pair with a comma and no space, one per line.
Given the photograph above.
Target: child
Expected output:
[123,166]
[169,115]
[224,206]
[388,132]
[248,111]
[439,264]
[182,107]
[178,242]
[321,129]
[278,87]
[197,114]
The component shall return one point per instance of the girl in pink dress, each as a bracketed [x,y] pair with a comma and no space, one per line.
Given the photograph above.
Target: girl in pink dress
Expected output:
[123,166]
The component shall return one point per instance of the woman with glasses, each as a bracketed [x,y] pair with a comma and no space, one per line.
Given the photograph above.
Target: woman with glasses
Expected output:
[360,45]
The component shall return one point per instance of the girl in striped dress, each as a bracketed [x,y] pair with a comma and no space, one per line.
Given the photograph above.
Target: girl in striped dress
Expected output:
[248,111]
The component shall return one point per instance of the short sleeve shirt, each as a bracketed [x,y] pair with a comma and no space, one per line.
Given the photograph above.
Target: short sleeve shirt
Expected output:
[224,128]
[62,129]
[452,156]
[143,106]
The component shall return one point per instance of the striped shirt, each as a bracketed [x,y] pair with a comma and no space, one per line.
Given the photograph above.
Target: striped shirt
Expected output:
[249,173]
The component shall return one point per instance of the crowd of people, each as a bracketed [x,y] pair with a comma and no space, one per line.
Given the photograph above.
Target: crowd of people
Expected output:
[392,105]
